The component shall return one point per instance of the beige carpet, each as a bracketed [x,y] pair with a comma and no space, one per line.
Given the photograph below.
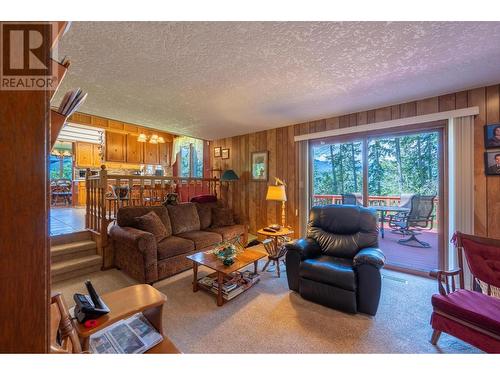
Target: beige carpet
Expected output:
[270,319]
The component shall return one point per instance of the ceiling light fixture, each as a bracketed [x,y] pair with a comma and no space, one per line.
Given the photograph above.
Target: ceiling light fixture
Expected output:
[154,139]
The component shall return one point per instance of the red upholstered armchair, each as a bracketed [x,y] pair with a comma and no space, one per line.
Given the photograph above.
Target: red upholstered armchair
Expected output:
[472,316]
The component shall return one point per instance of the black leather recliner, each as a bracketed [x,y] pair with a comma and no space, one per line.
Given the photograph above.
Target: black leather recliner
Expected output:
[338,263]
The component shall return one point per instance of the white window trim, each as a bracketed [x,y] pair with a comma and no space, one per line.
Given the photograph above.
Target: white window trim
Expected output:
[471,111]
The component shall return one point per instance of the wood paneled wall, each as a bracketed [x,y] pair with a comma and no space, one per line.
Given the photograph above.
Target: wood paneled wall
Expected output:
[248,198]
[24,242]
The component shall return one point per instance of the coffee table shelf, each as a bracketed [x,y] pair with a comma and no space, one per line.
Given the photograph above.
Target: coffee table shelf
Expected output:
[207,259]
[224,297]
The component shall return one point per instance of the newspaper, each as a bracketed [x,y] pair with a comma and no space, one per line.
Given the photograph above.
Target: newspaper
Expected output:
[130,336]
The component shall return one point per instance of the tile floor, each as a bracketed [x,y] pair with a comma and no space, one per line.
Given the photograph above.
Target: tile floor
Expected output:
[66,220]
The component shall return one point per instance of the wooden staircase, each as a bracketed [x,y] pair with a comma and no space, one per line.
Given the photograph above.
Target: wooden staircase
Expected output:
[73,255]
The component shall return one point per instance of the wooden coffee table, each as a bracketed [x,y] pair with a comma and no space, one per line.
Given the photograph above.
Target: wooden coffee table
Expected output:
[207,259]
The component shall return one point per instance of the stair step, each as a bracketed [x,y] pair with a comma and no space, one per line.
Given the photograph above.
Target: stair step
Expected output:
[70,237]
[72,250]
[75,267]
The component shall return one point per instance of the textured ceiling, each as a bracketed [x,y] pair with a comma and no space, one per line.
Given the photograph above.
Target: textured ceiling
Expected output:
[218,79]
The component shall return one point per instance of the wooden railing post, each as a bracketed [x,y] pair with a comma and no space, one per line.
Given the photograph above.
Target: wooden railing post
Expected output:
[101,210]
[87,199]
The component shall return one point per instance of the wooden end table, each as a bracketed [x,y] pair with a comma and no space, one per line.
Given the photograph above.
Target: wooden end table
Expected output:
[126,302]
[274,248]
[206,258]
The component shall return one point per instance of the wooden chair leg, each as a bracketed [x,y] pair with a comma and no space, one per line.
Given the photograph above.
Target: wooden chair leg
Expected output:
[267,263]
[435,336]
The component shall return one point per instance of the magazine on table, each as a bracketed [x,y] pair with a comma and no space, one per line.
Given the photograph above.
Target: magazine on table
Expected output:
[129,336]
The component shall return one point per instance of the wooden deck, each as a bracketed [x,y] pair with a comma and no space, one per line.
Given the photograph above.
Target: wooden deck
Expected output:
[419,259]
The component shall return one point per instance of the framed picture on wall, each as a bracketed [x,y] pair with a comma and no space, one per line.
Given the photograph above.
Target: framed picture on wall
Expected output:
[492,163]
[217,152]
[492,136]
[260,166]
[225,153]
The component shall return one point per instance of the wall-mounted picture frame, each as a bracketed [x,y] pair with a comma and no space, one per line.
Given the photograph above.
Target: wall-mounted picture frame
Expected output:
[217,152]
[225,153]
[260,166]
[492,136]
[492,163]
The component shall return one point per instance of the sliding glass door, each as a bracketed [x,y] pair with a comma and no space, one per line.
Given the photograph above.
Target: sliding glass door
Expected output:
[337,173]
[399,175]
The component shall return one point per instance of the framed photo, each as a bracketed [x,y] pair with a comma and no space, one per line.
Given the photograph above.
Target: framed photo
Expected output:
[492,163]
[217,152]
[225,153]
[260,166]
[492,136]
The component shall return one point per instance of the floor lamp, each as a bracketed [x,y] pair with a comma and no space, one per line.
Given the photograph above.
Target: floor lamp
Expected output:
[227,176]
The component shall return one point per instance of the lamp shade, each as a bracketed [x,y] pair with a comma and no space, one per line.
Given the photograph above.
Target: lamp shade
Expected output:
[229,175]
[142,138]
[276,193]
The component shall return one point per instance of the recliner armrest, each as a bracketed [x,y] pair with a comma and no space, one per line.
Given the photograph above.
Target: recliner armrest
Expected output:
[306,247]
[370,255]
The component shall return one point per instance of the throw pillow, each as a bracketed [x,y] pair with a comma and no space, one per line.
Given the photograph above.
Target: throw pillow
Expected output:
[222,217]
[152,223]
[205,214]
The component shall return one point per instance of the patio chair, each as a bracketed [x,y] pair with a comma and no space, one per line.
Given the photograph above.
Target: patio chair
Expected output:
[405,200]
[471,316]
[411,223]
[355,199]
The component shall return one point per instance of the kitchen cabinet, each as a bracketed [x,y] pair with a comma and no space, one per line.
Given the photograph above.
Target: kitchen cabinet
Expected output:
[135,150]
[116,146]
[165,153]
[151,153]
[87,155]
[79,193]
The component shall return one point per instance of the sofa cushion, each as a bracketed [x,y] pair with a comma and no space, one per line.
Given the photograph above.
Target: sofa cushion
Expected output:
[126,216]
[222,217]
[172,246]
[329,270]
[205,213]
[184,218]
[201,238]
[473,307]
[229,232]
[151,223]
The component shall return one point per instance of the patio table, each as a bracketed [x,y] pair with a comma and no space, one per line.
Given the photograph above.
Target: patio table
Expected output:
[383,210]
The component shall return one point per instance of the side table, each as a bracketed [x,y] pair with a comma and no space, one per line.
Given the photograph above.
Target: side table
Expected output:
[274,248]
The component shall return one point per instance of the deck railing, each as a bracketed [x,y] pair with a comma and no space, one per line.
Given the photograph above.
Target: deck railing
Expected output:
[106,193]
[373,200]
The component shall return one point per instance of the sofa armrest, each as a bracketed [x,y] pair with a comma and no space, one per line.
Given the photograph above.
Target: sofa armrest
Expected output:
[135,252]
[304,247]
[142,240]
[371,256]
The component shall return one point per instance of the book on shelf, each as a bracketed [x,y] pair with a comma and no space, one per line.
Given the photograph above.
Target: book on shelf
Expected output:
[71,101]
[234,284]
[128,336]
